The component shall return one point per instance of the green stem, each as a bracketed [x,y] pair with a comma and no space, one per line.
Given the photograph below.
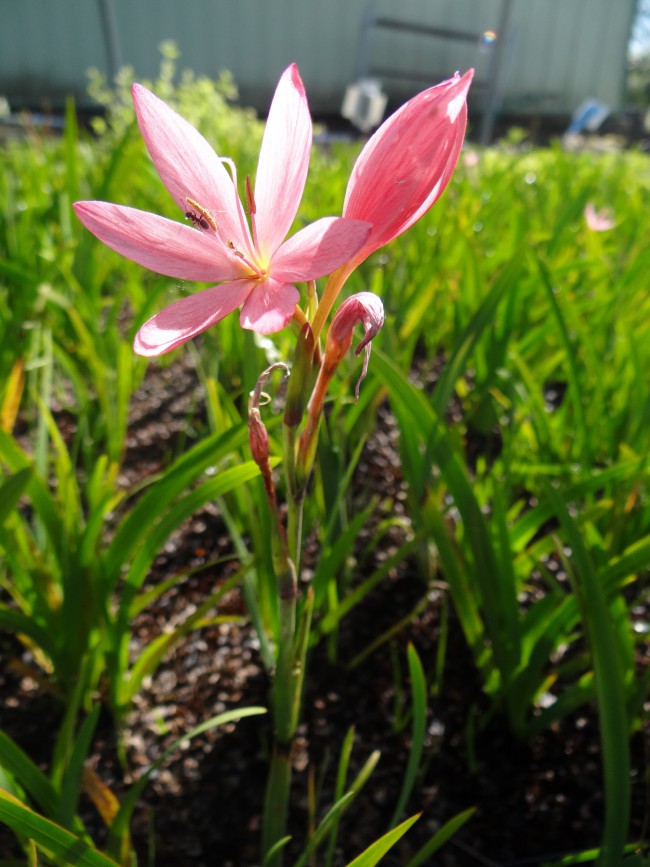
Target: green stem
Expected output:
[287,690]
[276,802]
[287,683]
[294,631]
[295,497]
[294,528]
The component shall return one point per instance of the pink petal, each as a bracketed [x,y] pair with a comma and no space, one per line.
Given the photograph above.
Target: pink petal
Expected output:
[188,166]
[283,162]
[188,317]
[319,249]
[161,245]
[365,308]
[269,307]
[598,221]
[407,163]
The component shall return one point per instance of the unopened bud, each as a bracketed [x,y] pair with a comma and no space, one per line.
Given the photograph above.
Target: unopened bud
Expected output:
[364,308]
[301,379]
[258,438]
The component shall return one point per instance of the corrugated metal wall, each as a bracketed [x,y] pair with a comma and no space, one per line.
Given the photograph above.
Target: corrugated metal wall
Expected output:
[559,51]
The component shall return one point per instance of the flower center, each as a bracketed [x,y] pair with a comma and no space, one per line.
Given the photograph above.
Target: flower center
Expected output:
[260,270]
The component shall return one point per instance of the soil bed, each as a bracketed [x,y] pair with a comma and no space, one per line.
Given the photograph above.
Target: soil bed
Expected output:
[534,801]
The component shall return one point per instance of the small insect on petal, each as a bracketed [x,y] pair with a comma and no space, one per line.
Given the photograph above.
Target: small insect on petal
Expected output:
[199,216]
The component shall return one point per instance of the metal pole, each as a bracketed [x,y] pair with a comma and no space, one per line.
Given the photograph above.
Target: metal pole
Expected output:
[368,20]
[111,39]
[493,95]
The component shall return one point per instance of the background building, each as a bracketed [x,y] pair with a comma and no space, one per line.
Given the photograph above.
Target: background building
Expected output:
[533,57]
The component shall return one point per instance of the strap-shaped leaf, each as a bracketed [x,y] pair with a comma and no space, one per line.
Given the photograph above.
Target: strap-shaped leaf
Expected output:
[52,839]
[11,491]
[375,852]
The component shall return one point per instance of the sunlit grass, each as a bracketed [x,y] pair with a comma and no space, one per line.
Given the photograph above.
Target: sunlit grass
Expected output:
[515,360]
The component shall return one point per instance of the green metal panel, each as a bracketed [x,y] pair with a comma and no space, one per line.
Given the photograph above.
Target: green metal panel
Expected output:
[46,46]
[559,51]
[566,50]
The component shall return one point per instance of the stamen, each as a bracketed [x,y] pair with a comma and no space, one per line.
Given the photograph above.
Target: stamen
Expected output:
[261,273]
[238,206]
[252,207]
[250,198]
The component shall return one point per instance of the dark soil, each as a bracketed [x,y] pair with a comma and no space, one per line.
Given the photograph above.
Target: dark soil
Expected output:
[535,801]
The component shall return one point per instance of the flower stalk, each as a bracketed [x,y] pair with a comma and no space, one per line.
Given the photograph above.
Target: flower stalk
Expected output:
[242,249]
[291,645]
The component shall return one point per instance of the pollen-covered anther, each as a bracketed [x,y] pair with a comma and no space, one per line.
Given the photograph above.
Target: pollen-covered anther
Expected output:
[250,197]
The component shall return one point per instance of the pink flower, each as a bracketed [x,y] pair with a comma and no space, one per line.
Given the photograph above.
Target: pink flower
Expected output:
[598,221]
[364,308]
[406,165]
[254,266]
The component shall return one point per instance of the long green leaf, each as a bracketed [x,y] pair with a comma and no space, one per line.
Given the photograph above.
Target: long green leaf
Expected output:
[11,490]
[53,840]
[609,680]
[121,823]
[151,656]
[28,775]
[71,784]
[324,827]
[41,499]
[333,557]
[157,535]
[153,504]
[440,838]
[414,412]
[341,776]
[374,853]
[419,718]
[19,623]
[482,319]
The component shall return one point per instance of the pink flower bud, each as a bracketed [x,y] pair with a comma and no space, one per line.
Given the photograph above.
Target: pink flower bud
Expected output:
[364,308]
[406,165]
[258,438]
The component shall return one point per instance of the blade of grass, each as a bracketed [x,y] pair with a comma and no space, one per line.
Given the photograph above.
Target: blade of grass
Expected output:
[209,452]
[121,824]
[480,321]
[419,719]
[324,827]
[53,840]
[376,851]
[28,775]
[274,850]
[609,681]
[581,432]
[341,776]
[440,838]
[71,783]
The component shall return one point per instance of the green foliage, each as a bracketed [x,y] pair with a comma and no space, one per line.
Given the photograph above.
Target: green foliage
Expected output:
[514,360]
[376,851]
